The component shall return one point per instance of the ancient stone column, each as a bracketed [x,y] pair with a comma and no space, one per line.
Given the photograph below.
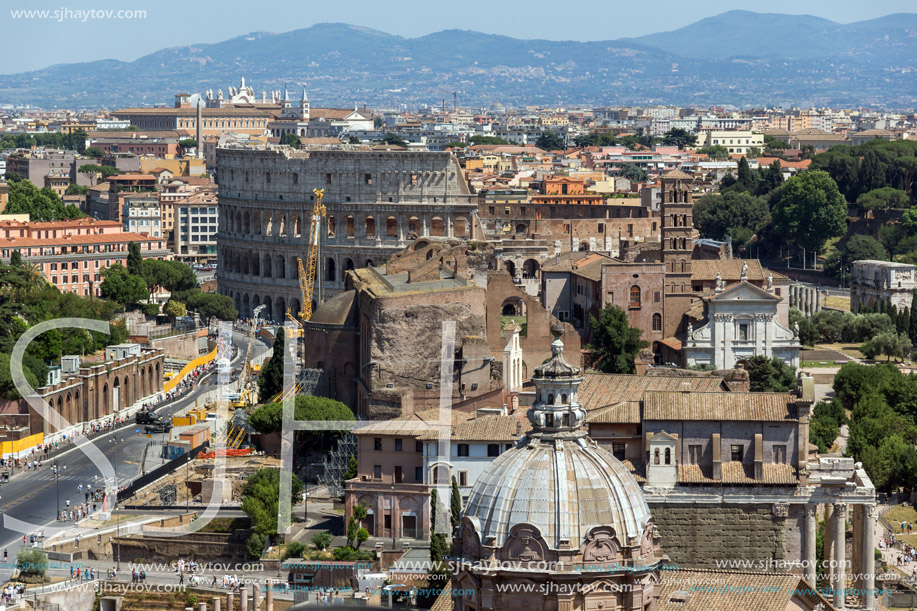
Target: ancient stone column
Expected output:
[269,596]
[809,544]
[840,584]
[244,596]
[202,607]
[868,561]
[231,601]
[216,603]
[817,300]
[256,597]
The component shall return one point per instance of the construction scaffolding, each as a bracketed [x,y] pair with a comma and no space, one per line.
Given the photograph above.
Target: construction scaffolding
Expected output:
[336,463]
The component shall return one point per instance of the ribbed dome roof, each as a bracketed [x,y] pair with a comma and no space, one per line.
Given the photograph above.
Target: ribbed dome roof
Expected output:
[564,487]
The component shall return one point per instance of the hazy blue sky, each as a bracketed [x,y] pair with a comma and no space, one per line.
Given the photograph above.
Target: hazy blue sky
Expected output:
[35,43]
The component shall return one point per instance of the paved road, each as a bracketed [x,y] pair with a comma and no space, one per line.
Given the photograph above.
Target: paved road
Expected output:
[33,496]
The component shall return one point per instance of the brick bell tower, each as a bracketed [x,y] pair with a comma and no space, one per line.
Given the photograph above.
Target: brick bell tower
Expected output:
[678,235]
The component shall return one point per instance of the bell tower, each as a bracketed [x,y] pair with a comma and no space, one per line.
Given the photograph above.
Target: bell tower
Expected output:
[678,236]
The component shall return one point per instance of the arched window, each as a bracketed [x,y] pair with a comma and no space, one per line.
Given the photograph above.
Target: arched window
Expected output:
[563,398]
[656,456]
[657,322]
[668,456]
[635,296]
[551,399]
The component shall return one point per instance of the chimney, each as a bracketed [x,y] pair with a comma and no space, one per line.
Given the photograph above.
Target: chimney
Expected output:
[518,427]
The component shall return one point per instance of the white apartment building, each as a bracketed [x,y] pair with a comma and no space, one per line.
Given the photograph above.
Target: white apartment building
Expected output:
[736,142]
[141,214]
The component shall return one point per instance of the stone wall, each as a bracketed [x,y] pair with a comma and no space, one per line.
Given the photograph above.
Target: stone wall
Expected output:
[186,347]
[698,536]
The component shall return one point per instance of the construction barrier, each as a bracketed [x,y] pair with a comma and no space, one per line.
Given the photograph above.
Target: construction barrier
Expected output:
[14,447]
[228,453]
[201,360]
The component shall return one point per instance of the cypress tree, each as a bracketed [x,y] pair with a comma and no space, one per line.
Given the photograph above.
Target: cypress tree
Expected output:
[134,259]
[912,331]
[270,382]
[456,505]
[15,259]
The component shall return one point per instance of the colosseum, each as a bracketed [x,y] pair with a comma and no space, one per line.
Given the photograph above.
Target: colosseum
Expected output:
[377,203]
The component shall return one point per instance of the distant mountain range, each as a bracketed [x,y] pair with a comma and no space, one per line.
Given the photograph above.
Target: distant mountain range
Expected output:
[738,57]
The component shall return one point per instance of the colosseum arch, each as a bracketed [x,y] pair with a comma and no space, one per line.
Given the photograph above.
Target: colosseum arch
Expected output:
[331,226]
[530,268]
[246,305]
[256,223]
[269,308]
[256,301]
[280,307]
[238,225]
[391,227]
[281,263]
[510,267]
[330,270]
[283,225]
[349,226]
[437,227]
[297,226]
[126,388]
[268,224]
[413,228]
[266,264]
[370,227]
[348,264]
[295,306]
[237,303]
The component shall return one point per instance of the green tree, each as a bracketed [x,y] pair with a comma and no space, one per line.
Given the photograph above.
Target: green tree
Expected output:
[174,309]
[295,549]
[268,418]
[32,564]
[15,259]
[394,140]
[270,382]
[489,140]
[715,152]
[39,204]
[211,305]
[358,514]
[134,259]
[353,467]
[595,139]
[455,505]
[122,287]
[882,199]
[322,540]
[825,424]
[290,139]
[260,502]
[735,214]
[890,344]
[681,138]
[858,247]
[909,221]
[808,333]
[75,189]
[746,178]
[809,210]
[634,173]
[770,374]
[95,152]
[188,143]
[615,344]
[548,141]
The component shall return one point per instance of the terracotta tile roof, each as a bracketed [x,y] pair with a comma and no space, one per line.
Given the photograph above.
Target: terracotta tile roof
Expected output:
[719,590]
[490,428]
[444,602]
[423,424]
[42,225]
[626,412]
[191,112]
[677,174]
[738,473]
[600,390]
[591,270]
[731,270]
[74,240]
[754,406]
[638,470]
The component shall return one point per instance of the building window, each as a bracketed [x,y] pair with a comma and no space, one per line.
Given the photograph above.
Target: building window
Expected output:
[694,454]
[377,444]
[780,455]
[368,179]
[413,178]
[635,296]
[736,452]
[329,178]
[463,478]
[743,332]
[493,449]
[418,474]
[377,471]
[463,449]
[397,445]
[657,322]
[619,450]
[418,447]
[657,297]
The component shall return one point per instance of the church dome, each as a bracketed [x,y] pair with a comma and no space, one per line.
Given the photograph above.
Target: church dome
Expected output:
[557,479]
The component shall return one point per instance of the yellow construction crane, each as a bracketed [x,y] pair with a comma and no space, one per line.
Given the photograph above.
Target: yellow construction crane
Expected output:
[307,273]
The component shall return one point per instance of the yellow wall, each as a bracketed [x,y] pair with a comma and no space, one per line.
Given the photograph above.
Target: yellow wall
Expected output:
[201,360]
[190,166]
[12,447]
